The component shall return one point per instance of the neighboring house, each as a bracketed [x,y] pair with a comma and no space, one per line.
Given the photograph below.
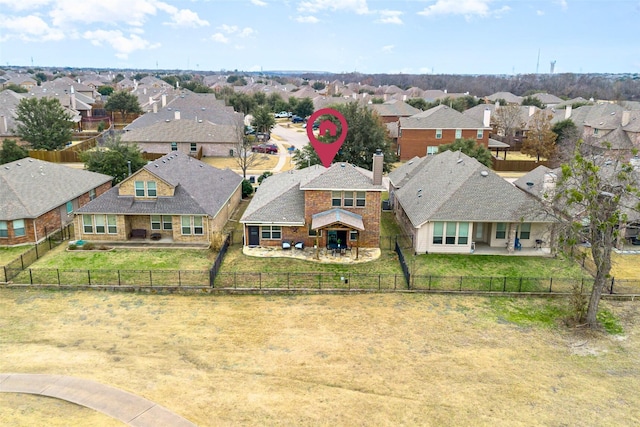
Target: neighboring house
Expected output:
[506,96]
[423,133]
[38,198]
[23,80]
[451,203]
[391,111]
[547,99]
[188,123]
[9,101]
[176,198]
[317,206]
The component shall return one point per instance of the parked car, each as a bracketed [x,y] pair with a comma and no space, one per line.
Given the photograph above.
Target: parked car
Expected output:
[282,115]
[265,148]
[315,125]
[297,119]
[263,136]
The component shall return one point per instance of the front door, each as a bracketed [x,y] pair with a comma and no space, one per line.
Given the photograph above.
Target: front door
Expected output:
[254,235]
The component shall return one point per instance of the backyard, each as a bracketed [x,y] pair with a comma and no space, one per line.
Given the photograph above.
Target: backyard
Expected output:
[366,359]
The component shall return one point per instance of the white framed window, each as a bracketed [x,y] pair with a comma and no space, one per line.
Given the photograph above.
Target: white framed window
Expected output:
[194,147]
[198,227]
[353,235]
[92,194]
[139,186]
[524,231]
[186,224]
[18,228]
[271,232]
[463,233]
[69,207]
[361,199]
[438,228]
[432,150]
[480,134]
[336,198]
[100,226]
[450,233]
[156,222]
[192,225]
[347,201]
[174,146]
[501,230]
[4,229]
[167,223]
[151,189]
[438,133]
[458,133]
[450,238]
[87,223]
[595,131]
[112,225]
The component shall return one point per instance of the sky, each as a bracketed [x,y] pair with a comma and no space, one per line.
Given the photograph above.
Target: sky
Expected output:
[366,36]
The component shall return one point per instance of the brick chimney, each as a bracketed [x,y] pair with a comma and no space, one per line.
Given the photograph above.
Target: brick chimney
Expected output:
[176,115]
[164,100]
[3,125]
[378,166]
[486,119]
[532,110]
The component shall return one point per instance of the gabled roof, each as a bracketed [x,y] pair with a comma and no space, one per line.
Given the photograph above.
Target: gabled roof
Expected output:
[183,131]
[547,98]
[617,139]
[200,189]
[440,117]
[399,176]
[337,216]
[395,108]
[31,187]
[507,96]
[342,176]
[532,182]
[452,186]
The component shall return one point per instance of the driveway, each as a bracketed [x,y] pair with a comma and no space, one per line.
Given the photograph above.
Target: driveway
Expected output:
[281,134]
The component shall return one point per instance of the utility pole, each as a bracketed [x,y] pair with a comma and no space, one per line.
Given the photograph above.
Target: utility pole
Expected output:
[538,63]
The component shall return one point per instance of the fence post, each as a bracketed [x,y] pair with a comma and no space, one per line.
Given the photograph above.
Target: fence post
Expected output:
[119,283]
[58,274]
[4,268]
[89,276]
[395,281]
[460,283]
[234,279]
[260,280]
[429,282]
[22,262]
[288,279]
[520,285]
[319,280]
[150,278]
[550,283]
[504,284]
[180,280]
[379,282]
[613,279]
[37,254]
[30,277]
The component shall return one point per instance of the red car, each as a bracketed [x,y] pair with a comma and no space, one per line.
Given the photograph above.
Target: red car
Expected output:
[265,148]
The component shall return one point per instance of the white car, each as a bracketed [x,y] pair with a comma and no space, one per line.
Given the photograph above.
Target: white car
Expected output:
[281,115]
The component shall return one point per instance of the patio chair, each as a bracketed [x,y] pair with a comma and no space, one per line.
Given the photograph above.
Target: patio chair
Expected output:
[286,245]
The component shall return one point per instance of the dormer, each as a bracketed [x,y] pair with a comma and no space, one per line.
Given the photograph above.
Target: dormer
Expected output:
[144,185]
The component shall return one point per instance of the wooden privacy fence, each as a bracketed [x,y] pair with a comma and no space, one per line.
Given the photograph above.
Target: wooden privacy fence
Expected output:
[500,165]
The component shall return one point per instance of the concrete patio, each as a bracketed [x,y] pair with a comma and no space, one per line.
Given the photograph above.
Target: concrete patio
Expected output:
[309,254]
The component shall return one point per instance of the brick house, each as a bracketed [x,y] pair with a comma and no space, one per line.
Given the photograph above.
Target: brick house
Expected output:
[317,206]
[176,198]
[391,111]
[38,198]
[422,133]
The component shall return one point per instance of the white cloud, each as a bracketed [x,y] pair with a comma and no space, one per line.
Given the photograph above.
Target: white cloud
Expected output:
[539,12]
[28,28]
[387,48]
[131,12]
[467,8]
[229,29]
[309,19]
[390,17]
[312,6]
[123,45]
[247,32]
[259,2]
[220,38]
[20,5]
[563,4]
[182,17]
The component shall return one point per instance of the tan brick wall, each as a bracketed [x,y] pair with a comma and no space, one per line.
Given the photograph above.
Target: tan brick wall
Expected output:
[218,223]
[127,187]
[209,149]
[414,142]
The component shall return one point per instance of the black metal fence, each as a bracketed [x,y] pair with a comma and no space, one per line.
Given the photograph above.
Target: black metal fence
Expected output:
[215,268]
[403,263]
[310,281]
[500,284]
[13,268]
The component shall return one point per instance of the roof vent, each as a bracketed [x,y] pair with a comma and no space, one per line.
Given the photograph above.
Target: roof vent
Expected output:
[459,161]
[155,165]
[167,120]
[18,164]
[342,165]
[484,174]
[410,162]
[164,161]
[529,184]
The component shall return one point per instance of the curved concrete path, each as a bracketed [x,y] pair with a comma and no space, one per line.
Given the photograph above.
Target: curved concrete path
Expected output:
[119,404]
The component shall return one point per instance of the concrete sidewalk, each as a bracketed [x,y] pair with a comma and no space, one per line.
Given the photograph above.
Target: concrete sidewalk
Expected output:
[119,404]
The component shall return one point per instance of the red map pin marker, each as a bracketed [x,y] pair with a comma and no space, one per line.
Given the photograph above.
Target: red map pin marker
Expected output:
[327,151]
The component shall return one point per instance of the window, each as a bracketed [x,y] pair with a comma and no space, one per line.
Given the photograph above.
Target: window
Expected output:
[348,199]
[437,232]
[480,134]
[100,229]
[525,230]
[501,230]
[438,133]
[458,133]
[174,146]
[69,207]
[336,198]
[273,232]
[92,194]
[353,235]
[4,230]
[139,186]
[595,131]
[194,147]
[463,233]
[451,233]
[198,228]
[432,150]
[479,227]
[361,199]
[18,228]
[112,227]
[155,222]
[186,224]
[167,223]
[151,189]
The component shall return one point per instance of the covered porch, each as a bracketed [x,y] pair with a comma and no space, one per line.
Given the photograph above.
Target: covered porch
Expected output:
[340,231]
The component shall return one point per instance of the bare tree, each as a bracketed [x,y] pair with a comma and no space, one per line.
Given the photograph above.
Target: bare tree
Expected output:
[242,153]
[508,120]
[596,196]
[540,140]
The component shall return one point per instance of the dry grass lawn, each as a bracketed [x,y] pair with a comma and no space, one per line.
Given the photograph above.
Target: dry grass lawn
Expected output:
[265,161]
[365,359]
[625,266]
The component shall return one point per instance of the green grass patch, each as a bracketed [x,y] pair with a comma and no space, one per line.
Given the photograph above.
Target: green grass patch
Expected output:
[609,322]
[535,312]
[389,225]
[9,254]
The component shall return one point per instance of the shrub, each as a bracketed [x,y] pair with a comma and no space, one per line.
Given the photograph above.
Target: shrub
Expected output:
[247,189]
[217,240]
[73,247]
[88,246]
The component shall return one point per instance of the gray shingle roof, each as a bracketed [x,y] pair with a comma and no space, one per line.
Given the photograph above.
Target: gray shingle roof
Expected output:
[454,187]
[183,131]
[394,108]
[199,189]
[440,117]
[342,176]
[31,187]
